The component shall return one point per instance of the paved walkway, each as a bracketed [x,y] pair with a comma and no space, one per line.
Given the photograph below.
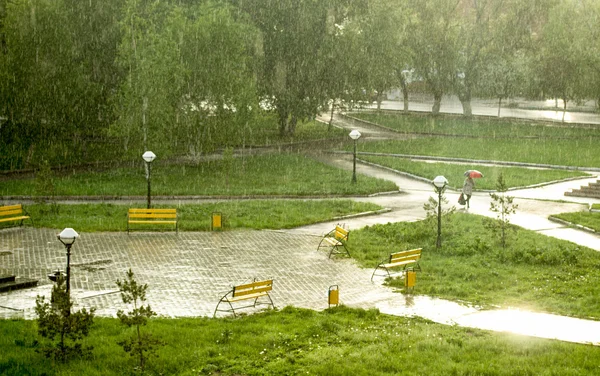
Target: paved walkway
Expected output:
[188,273]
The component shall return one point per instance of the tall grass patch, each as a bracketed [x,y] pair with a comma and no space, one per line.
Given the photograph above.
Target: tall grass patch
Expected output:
[293,341]
[584,218]
[534,271]
[281,174]
[513,176]
[250,214]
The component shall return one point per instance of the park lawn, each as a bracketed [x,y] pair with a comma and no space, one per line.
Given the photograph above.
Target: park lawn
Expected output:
[595,206]
[513,176]
[534,272]
[338,342]
[584,218]
[476,126]
[243,214]
[266,175]
[561,152]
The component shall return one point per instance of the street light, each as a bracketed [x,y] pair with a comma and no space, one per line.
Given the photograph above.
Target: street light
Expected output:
[68,237]
[148,157]
[355,135]
[440,183]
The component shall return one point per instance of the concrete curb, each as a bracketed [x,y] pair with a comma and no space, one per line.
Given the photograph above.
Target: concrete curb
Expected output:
[571,224]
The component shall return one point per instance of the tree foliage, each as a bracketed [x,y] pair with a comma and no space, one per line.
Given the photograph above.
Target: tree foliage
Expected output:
[504,206]
[62,328]
[139,345]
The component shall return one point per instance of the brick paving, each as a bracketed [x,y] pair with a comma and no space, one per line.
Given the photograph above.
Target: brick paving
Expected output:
[187,273]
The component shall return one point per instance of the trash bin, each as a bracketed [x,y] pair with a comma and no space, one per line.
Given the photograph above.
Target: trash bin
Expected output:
[334,296]
[217,221]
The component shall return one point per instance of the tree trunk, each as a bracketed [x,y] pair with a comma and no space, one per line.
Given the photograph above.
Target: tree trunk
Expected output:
[564,108]
[404,94]
[465,100]
[292,125]
[499,105]
[331,117]
[437,103]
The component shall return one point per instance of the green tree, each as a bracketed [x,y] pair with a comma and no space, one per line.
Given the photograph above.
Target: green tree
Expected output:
[294,42]
[140,345]
[433,31]
[63,328]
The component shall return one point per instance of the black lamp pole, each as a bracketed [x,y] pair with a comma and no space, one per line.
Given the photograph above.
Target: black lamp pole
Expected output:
[68,267]
[439,233]
[354,165]
[149,164]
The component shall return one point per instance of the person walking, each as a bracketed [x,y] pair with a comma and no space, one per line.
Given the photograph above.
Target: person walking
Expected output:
[467,189]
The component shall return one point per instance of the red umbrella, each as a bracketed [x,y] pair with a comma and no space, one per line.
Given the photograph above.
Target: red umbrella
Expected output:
[473,174]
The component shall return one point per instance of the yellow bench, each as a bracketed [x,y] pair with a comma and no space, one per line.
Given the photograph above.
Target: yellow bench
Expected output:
[11,213]
[334,240]
[253,290]
[403,258]
[152,216]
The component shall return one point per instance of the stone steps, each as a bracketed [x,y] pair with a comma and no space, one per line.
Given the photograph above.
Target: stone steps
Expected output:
[10,282]
[592,190]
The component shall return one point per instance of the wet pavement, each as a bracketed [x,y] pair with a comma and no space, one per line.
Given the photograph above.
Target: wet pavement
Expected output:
[187,273]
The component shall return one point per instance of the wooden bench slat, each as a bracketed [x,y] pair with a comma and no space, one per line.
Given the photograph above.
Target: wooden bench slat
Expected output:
[335,239]
[402,258]
[11,207]
[253,290]
[14,218]
[13,213]
[152,216]
[157,222]
[152,210]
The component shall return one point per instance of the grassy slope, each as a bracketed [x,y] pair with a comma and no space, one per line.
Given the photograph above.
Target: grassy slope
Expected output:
[282,174]
[535,272]
[254,214]
[513,176]
[295,341]
[587,219]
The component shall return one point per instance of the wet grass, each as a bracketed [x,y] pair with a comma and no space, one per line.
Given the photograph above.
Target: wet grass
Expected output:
[268,175]
[533,272]
[513,176]
[478,126]
[577,153]
[486,139]
[338,341]
[584,218]
[246,214]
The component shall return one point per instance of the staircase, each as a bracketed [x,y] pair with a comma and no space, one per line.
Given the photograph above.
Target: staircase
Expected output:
[591,190]
[9,282]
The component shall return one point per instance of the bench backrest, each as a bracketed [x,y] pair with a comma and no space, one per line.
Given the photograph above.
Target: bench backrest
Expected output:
[253,288]
[413,254]
[152,213]
[11,210]
[341,233]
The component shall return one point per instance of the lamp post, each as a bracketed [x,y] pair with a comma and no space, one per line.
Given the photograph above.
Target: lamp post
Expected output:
[440,183]
[355,135]
[68,237]
[148,157]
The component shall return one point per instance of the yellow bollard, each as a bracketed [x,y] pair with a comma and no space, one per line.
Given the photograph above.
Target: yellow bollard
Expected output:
[410,279]
[334,296]
[217,221]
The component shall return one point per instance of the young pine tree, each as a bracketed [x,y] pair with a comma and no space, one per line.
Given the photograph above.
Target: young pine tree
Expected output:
[504,206]
[63,328]
[140,345]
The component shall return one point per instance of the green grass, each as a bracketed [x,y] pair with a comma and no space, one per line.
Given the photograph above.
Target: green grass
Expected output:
[595,206]
[583,218]
[338,341]
[486,139]
[248,214]
[534,272]
[477,126]
[549,152]
[281,174]
[513,176]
